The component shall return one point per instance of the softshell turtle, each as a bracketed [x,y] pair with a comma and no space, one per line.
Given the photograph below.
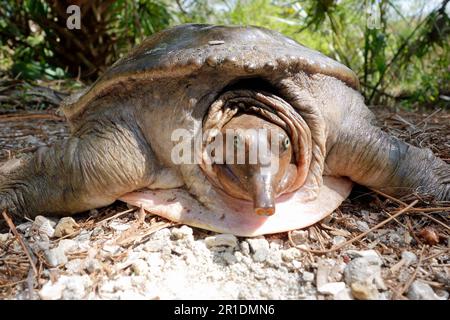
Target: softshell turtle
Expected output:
[182,89]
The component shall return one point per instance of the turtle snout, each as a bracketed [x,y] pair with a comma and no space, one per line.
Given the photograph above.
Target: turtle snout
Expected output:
[263,196]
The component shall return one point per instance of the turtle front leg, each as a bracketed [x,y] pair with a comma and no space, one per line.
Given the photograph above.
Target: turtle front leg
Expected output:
[375,159]
[100,162]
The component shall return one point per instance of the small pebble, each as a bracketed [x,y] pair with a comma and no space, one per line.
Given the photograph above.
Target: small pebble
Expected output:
[163,234]
[119,226]
[154,260]
[74,266]
[67,245]
[290,254]
[23,227]
[4,237]
[229,258]
[41,246]
[338,240]
[51,291]
[362,226]
[156,245]
[371,255]
[364,291]
[123,283]
[274,260]
[409,258]
[343,295]
[308,276]
[227,240]
[181,233]
[365,268]
[443,277]
[42,225]
[66,226]
[260,249]
[331,288]
[97,232]
[239,256]
[84,235]
[407,238]
[111,248]
[359,270]
[442,294]
[92,265]
[107,286]
[140,267]
[245,248]
[323,271]
[299,236]
[421,291]
[276,244]
[56,256]
[75,287]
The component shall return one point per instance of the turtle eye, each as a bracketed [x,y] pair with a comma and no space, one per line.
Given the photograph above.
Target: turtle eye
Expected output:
[286,143]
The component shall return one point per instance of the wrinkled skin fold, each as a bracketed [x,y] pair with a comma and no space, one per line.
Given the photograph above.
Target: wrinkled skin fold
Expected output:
[121,132]
[274,111]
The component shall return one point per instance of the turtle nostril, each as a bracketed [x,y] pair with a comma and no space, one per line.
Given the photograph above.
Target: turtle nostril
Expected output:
[265,211]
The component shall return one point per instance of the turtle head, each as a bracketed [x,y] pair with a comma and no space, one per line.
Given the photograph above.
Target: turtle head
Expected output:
[258,161]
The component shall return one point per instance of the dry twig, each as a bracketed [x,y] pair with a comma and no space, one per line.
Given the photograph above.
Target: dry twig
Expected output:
[413,276]
[24,117]
[116,215]
[362,234]
[436,220]
[25,248]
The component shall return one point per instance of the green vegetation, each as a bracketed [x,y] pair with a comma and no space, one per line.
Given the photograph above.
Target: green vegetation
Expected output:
[400,52]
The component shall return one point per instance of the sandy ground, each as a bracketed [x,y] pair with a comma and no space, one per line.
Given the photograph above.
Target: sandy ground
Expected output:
[116,252]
